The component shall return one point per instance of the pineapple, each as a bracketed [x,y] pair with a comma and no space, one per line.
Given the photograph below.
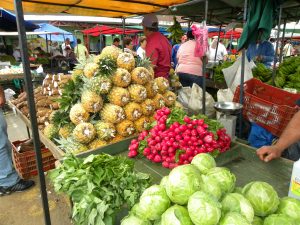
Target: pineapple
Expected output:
[125,128]
[51,131]
[109,51]
[152,89]
[146,63]
[52,116]
[141,124]
[107,66]
[138,93]
[112,113]
[119,96]
[121,78]
[76,74]
[178,105]
[126,61]
[78,114]
[148,107]
[163,84]
[91,101]
[84,133]
[66,130]
[159,101]
[90,70]
[170,98]
[140,75]
[100,85]
[97,143]
[152,119]
[69,145]
[117,138]
[151,71]
[105,131]
[133,111]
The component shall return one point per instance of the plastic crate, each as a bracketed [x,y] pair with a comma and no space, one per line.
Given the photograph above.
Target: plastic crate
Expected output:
[25,162]
[268,106]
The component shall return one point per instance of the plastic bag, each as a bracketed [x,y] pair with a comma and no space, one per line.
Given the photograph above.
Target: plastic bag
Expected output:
[259,136]
[191,99]
[9,94]
[224,95]
[232,74]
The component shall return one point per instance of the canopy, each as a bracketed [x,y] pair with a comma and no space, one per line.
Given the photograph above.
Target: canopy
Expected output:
[228,35]
[97,30]
[105,8]
[56,34]
[8,22]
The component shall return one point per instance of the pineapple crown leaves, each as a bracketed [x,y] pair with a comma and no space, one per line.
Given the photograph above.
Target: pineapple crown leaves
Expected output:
[107,66]
[146,62]
[60,118]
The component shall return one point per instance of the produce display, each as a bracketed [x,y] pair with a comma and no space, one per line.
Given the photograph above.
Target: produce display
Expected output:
[174,138]
[203,194]
[110,97]
[99,186]
[175,31]
[218,74]
[11,70]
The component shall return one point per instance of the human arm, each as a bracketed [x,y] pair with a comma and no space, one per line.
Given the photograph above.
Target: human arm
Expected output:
[2,97]
[289,136]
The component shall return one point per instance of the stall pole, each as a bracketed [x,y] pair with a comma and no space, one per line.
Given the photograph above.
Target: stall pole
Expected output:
[31,105]
[218,43]
[47,48]
[204,68]
[282,42]
[123,35]
[242,73]
[276,47]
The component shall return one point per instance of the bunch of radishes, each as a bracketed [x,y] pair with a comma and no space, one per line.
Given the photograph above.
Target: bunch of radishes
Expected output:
[177,143]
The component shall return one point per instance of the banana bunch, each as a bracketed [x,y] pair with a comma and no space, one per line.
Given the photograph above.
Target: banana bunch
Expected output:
[175,31]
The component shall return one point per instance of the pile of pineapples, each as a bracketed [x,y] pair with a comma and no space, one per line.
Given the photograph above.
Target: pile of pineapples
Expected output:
[111,97]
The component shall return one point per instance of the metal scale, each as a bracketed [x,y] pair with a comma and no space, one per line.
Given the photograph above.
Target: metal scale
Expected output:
[228,117]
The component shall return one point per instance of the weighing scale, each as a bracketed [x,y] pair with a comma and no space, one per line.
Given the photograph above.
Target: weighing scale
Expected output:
[228,117]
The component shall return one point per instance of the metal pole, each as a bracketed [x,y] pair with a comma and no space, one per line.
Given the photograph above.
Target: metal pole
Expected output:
[276,48]
[218,43]
[123,36]
[242,73]
[282,41]
[47,44]
[204,68]
[31,105]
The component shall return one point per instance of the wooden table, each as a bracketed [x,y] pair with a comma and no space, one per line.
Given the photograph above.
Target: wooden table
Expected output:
[10,77]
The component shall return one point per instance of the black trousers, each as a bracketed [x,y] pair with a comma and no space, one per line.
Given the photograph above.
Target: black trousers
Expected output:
[187,80]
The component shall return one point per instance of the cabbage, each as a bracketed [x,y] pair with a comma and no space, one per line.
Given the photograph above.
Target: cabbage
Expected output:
[176,215]
[157,222]
[290,207]
[134,220]
[211,186]
[257,221]
[238,190]
[278,219]
[153,203]
[204,209]
[183,181]
[235,202]
[263,198]
[164,181]
[204,162]
[226,180]
[234,218]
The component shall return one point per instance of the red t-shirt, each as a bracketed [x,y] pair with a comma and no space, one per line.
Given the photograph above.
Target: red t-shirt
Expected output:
[159,50]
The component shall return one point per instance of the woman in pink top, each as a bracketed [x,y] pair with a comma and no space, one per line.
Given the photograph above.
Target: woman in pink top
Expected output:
[189,67]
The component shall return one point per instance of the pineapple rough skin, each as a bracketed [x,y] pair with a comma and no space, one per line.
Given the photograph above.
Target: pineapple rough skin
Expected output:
[138,93]
[170,98]
[141,124]
[112,113]
[91,101]
[140,75]
[125,128]
[50,131]
[100,85]
[126,61]
[105,131]
[152,89]
[66,130]
[116,139]
[159,101]
[109,51]
[148,107]
[90,70]
[97,143]
[84,133]
[133,111]
[78,114]
[163,84]
[121,78]
[119,96]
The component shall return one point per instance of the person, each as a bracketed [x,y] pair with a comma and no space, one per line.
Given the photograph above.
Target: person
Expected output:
[54,50]
[129,46]
[175,50]
[261,51]
[81,52]
[116,42]
[64,45]
[189,67]
[221,52]
[17,54]
[141,50]
[287,49]
[71,57]
[9,179]
[290,138]
[158,48]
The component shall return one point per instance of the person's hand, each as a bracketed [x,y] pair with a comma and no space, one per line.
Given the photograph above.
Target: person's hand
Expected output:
[2,100]
[268,153]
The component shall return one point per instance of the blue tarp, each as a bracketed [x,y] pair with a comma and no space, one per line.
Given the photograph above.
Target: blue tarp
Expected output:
[58,34]
[8,22]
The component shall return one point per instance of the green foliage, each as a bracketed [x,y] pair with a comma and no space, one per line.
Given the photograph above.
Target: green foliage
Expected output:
[218,73]
[176,32]
[107,66]
[261,72]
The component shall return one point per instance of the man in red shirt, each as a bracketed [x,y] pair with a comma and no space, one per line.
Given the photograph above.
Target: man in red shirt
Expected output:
[158,48]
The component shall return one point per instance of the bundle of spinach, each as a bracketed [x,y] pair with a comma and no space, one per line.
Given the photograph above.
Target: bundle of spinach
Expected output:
[99,186]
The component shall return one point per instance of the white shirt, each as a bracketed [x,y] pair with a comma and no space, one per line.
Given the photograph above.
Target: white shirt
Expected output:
[63,47]
[141,52]
[220,54]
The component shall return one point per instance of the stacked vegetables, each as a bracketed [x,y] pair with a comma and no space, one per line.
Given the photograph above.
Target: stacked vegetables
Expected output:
[203,194]
[218,74]
[176,138]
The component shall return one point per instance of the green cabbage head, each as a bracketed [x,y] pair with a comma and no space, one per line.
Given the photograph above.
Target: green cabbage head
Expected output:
[176,215]
[134,220]
[257,221]
[204,209]
[263,198]
[183,181]
[278,219]
[223,176]
[235,202]
[211,186]
[234,218]
[290,207]
[204,162]
[164,181]
[153,203]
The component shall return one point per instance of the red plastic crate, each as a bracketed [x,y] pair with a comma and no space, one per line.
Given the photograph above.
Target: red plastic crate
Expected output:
[25,163]
[268,106]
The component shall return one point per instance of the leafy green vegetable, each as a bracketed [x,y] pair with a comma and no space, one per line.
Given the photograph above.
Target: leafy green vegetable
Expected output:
[218,73]
[164,181]
[289,207]
[99,186]
[257,221]
[213,125]
[176,215]
[134,220]
[261,72]
[278,219]
[211,186]
[204,162]
[262,197]
[234,218]
[176,115]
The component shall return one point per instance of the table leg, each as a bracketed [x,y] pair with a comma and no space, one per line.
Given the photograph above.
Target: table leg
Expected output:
[28,131]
